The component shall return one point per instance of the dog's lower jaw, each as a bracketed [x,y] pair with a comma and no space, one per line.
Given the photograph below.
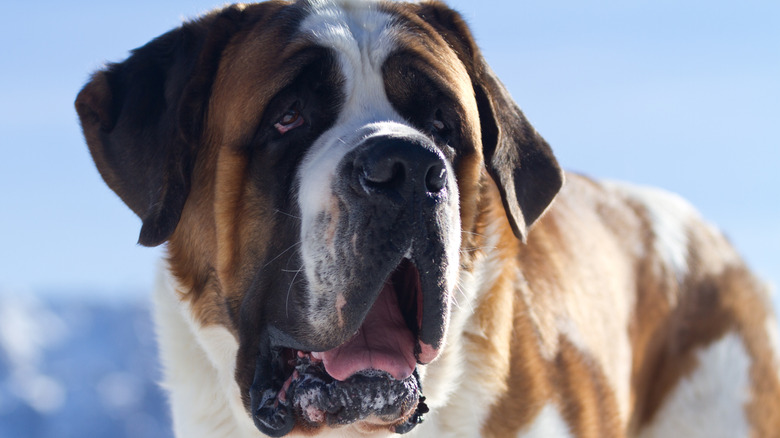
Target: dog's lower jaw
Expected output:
[311,398]
[369,380]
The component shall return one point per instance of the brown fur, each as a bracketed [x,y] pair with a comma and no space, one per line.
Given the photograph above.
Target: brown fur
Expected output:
[591,254]
[712,301]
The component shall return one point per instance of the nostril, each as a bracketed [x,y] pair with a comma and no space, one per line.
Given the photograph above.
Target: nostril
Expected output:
[396,170]
[436,178]
[387,173]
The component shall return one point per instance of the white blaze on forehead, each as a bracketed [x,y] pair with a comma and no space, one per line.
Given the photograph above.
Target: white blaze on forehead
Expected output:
[353,28]
[361,37]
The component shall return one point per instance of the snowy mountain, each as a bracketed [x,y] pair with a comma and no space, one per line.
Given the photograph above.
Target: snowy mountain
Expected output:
[79,368]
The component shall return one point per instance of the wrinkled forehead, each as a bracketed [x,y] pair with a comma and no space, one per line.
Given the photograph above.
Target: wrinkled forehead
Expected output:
[364,34]
[361,35]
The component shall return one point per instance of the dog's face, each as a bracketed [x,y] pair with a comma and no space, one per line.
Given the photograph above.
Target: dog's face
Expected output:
[312,166]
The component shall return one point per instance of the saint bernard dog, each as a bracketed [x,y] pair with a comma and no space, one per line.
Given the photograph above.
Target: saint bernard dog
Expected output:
[366,237]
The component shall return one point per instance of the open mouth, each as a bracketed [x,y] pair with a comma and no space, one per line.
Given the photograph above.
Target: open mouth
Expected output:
[371,378]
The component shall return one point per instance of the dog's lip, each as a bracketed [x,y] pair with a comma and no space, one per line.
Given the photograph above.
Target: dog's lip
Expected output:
[387,340]
[369,399]
[427,353]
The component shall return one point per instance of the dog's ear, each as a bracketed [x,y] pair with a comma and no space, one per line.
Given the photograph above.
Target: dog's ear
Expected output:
[142,119]
[517,158]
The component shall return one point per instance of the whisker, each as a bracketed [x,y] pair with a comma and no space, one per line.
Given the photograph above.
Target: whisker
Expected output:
[286,214]
[289,289]
[459,289]
[282,253]
[291,270]
[476,248]
[454,301]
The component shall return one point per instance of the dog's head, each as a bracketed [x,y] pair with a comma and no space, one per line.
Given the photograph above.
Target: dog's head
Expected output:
[312,166]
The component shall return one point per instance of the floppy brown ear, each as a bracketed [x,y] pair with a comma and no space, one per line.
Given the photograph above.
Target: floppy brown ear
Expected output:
[517,158]
[142,119]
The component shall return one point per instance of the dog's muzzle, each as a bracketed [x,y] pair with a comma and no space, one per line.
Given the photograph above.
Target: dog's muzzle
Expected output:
[388,265]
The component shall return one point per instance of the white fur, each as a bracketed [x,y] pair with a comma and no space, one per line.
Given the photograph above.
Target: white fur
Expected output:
[548,424]
[711,401]
[198,365]
[670,215]
[774,340]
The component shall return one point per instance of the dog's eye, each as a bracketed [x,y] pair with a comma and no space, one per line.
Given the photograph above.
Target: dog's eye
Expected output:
[439,126]
[289,121]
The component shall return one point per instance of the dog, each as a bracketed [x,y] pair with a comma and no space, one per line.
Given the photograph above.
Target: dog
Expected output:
[366,237]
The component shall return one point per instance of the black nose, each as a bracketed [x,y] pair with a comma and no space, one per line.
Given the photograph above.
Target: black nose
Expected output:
[399,167]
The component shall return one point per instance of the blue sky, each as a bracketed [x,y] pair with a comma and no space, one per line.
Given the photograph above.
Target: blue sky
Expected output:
[681,95]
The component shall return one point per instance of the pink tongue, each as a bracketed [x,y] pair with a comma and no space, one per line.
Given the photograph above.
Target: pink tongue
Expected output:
[384,342]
